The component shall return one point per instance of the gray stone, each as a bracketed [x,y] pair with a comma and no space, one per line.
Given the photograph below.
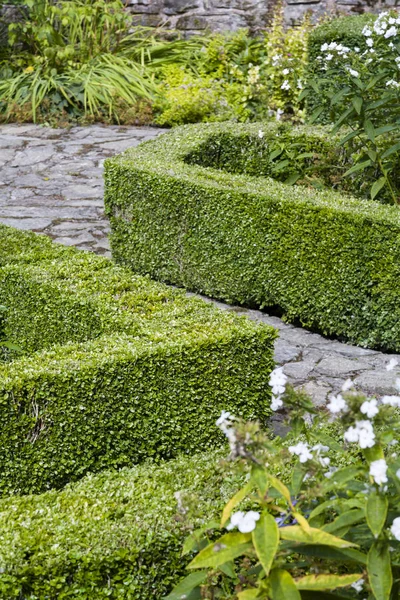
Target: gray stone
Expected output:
[299,371]
[340,367]
[174,7]
[285,352]
[377,382]
[192,22]
[318,391]
[27,224]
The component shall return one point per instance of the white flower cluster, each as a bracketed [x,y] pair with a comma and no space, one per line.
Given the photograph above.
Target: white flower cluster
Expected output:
[362,433]
[301,450]
[245,522]
[334,46]
[285,85]
[225,423]
[395,528]
[337,404]
[385,25]
[358,585]
[277,381]
[378,470]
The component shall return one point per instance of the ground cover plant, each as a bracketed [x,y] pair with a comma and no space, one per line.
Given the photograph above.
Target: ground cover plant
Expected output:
[327,259]
[327,526]
[115,368]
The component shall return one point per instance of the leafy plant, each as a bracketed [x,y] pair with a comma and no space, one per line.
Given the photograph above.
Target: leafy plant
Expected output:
[364,94]
[81,58]
[332,524]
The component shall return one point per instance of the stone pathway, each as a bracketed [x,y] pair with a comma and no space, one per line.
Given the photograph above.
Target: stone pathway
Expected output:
[51,182]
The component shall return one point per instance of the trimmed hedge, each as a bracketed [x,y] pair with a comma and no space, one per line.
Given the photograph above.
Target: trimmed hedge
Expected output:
[117,368]
[344,30]
[115,535]
[332,261]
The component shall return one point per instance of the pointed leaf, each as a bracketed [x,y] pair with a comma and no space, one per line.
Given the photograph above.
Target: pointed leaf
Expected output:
[248,594]
[234,501]
[369,130]
[260,479]
[345,519]
[316,536]
[281,488]
[357,103]
[229,569]
[378,185]
[228,547]
[266,540]
[325,582]
[304,524]
[317,112]
[358,167]
[193,541]
[391,150]
[380,571]
[282,586]
[343,554]
[297,478]
[377,508]
[187,585]
[341,477]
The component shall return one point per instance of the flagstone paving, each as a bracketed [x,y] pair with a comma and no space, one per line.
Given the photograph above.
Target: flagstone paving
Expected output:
[51,182]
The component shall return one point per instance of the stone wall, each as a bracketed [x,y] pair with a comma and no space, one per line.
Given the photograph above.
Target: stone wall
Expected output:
[195,16]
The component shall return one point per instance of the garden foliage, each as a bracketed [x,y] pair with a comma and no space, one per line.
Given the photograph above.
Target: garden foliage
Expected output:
[334,526]
[327,259]
[116,368]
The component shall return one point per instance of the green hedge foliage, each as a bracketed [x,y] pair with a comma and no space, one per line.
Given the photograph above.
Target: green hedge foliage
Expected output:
[343,30]
[116,368]
[115,535]
[330,260]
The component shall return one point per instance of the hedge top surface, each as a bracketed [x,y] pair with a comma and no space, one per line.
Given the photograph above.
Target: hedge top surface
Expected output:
[168,156]
[134,315]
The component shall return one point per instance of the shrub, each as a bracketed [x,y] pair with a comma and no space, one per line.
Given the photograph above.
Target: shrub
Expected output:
[114,535]
[363,94]
[329,527]
[116,368]
[326,259]
[343,30]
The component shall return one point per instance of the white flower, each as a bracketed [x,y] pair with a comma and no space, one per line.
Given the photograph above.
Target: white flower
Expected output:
[392,83]
[367,32]
[286,71]
[329,56]
[285,85]
[277,381]
[391,400]
[363,433]
[348,384]
[377,470]
[261,134]
[276,403]
[225,419]
[279,114]
[395,528]
[398,473]
[302,451]
[392,364]
[370,408]
[225,423]
[337,404]
[370,42]
[391,32]
[324,47]
[358,585]
[245,522]
[353,72]
[357,49]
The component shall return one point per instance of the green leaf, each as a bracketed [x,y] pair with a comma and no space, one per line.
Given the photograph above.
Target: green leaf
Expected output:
[228,547]
[234,501]
[275,153]
[378,185]
[377,508]
[358,167]
[260,479]
[312,595]
[391,150]
[282,586]
[348,137]
[380,571]
[345,519]
[193,541]
[297,478]
[327,440]
[266,540]
[291,180]
[369,130]
[325,582]
[248,594]
[281,488]
[341,477]
[229,569]
[315,114]
[296,533]
[357,103]
[187,585]
[343,554]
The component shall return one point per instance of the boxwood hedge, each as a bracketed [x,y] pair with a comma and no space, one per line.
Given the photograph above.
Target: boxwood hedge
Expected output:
[115,535]
[116,368]
[328,259]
